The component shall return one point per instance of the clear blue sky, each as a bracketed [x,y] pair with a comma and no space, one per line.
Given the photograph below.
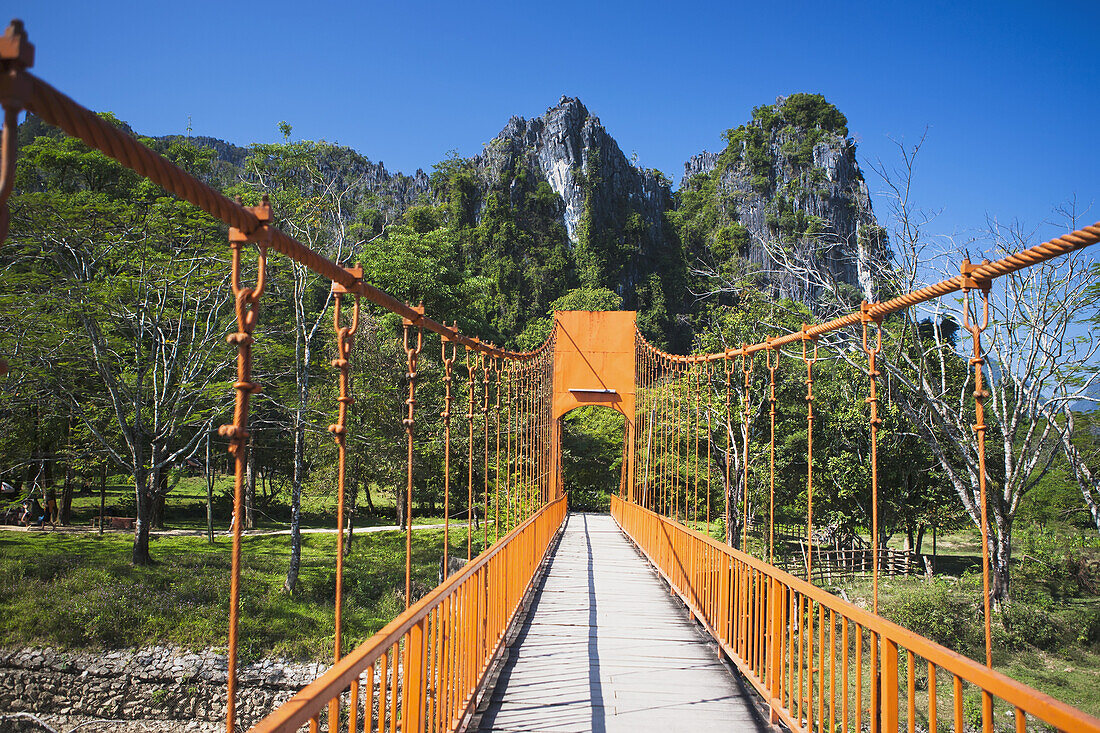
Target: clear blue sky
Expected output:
[1008,90]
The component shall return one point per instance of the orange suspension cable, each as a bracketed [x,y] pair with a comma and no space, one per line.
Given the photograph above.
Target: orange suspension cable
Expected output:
[485,441]
[448,400]
[728,428]
[524,437]
[247,303]
[499,366]
[531,440]
[647,397]
[695,394]
[411,354]
[872,399]
[345,337]
[470,368]
[710,436]
[771,498]
[508,522]
[662,427]
[678,404]
[809,361]
[980,393]
[746,369]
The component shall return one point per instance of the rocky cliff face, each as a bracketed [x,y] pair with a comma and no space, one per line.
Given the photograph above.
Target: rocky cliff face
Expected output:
[789,180]
[613,211]
[371,183]
[787,189]
[569,148]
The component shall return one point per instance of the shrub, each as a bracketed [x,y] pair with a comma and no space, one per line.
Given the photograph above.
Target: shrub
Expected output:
[940,613]
[1027,625]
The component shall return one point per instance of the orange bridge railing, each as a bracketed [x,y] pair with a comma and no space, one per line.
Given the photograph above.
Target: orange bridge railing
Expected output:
[425,669]
[821,663]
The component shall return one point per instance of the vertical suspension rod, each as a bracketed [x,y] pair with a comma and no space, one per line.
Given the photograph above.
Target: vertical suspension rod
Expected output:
[809,362]
[411,354]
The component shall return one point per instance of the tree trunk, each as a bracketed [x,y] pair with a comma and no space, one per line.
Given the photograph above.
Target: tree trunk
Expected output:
[920,538]
[158,497]
[733,532]
[140,554]
[370,501]
[66,513]
[102,495]
[352,496]
[157,518]
[250,488]
[208,470]
[400,506]
[296,508]
[1000,563]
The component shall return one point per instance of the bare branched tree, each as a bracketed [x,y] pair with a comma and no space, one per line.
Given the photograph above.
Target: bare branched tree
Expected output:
[155,333]
[316,212]
[1038,359]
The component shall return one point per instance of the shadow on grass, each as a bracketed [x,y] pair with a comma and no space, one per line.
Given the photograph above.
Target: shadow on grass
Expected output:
[81,591]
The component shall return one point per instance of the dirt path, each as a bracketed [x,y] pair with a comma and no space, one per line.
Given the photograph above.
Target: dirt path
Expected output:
[86,529]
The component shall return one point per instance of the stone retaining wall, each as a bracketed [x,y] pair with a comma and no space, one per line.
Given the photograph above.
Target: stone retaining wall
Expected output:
[157,688]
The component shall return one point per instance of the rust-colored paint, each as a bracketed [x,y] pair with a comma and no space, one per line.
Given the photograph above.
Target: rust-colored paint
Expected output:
[593,350]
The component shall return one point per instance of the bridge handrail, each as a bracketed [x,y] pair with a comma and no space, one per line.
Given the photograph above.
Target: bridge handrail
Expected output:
[642,524]
[412,627]
[975,276]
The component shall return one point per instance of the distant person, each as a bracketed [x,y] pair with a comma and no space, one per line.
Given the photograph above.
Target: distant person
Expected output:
[33,512]
[51,507]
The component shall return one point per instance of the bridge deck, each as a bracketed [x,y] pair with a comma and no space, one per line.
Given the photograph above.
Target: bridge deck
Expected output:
[605,648]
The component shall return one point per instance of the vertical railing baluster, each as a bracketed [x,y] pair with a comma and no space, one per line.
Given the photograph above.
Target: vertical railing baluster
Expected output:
[932,703]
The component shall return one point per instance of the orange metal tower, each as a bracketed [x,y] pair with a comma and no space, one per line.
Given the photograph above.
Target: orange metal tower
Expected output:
[594,362]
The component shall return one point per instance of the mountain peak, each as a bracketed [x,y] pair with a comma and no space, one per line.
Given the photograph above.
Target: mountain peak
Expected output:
[569,104]
[563,145]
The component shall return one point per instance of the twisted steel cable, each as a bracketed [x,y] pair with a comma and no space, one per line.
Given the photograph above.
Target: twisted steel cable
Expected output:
[59,110]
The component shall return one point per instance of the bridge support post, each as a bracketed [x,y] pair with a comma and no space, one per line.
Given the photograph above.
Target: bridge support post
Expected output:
[594,364]
[412,712]
[775,647]
[888,685]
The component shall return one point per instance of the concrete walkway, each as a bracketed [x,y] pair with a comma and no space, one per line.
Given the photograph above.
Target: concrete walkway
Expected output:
[605,648]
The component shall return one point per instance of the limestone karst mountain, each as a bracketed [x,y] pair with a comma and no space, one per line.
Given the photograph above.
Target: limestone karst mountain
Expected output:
[551,204]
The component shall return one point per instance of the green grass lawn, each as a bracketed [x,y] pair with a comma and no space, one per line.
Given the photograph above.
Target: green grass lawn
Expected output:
[80,591]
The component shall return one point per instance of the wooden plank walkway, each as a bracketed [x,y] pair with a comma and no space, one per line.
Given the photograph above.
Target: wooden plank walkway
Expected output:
[605,648]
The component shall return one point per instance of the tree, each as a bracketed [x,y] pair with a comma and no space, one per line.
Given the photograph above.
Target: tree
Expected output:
[144,313]
[1033,364]
[311,202]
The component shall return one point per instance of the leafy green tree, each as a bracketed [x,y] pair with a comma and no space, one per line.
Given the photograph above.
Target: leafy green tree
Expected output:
[592,456]
[143,309]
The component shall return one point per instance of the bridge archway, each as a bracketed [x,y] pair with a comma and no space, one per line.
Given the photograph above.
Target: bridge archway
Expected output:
[592,440]
[594,364]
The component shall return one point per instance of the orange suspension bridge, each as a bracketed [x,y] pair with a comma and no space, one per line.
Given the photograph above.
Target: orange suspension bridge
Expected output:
[496,644]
